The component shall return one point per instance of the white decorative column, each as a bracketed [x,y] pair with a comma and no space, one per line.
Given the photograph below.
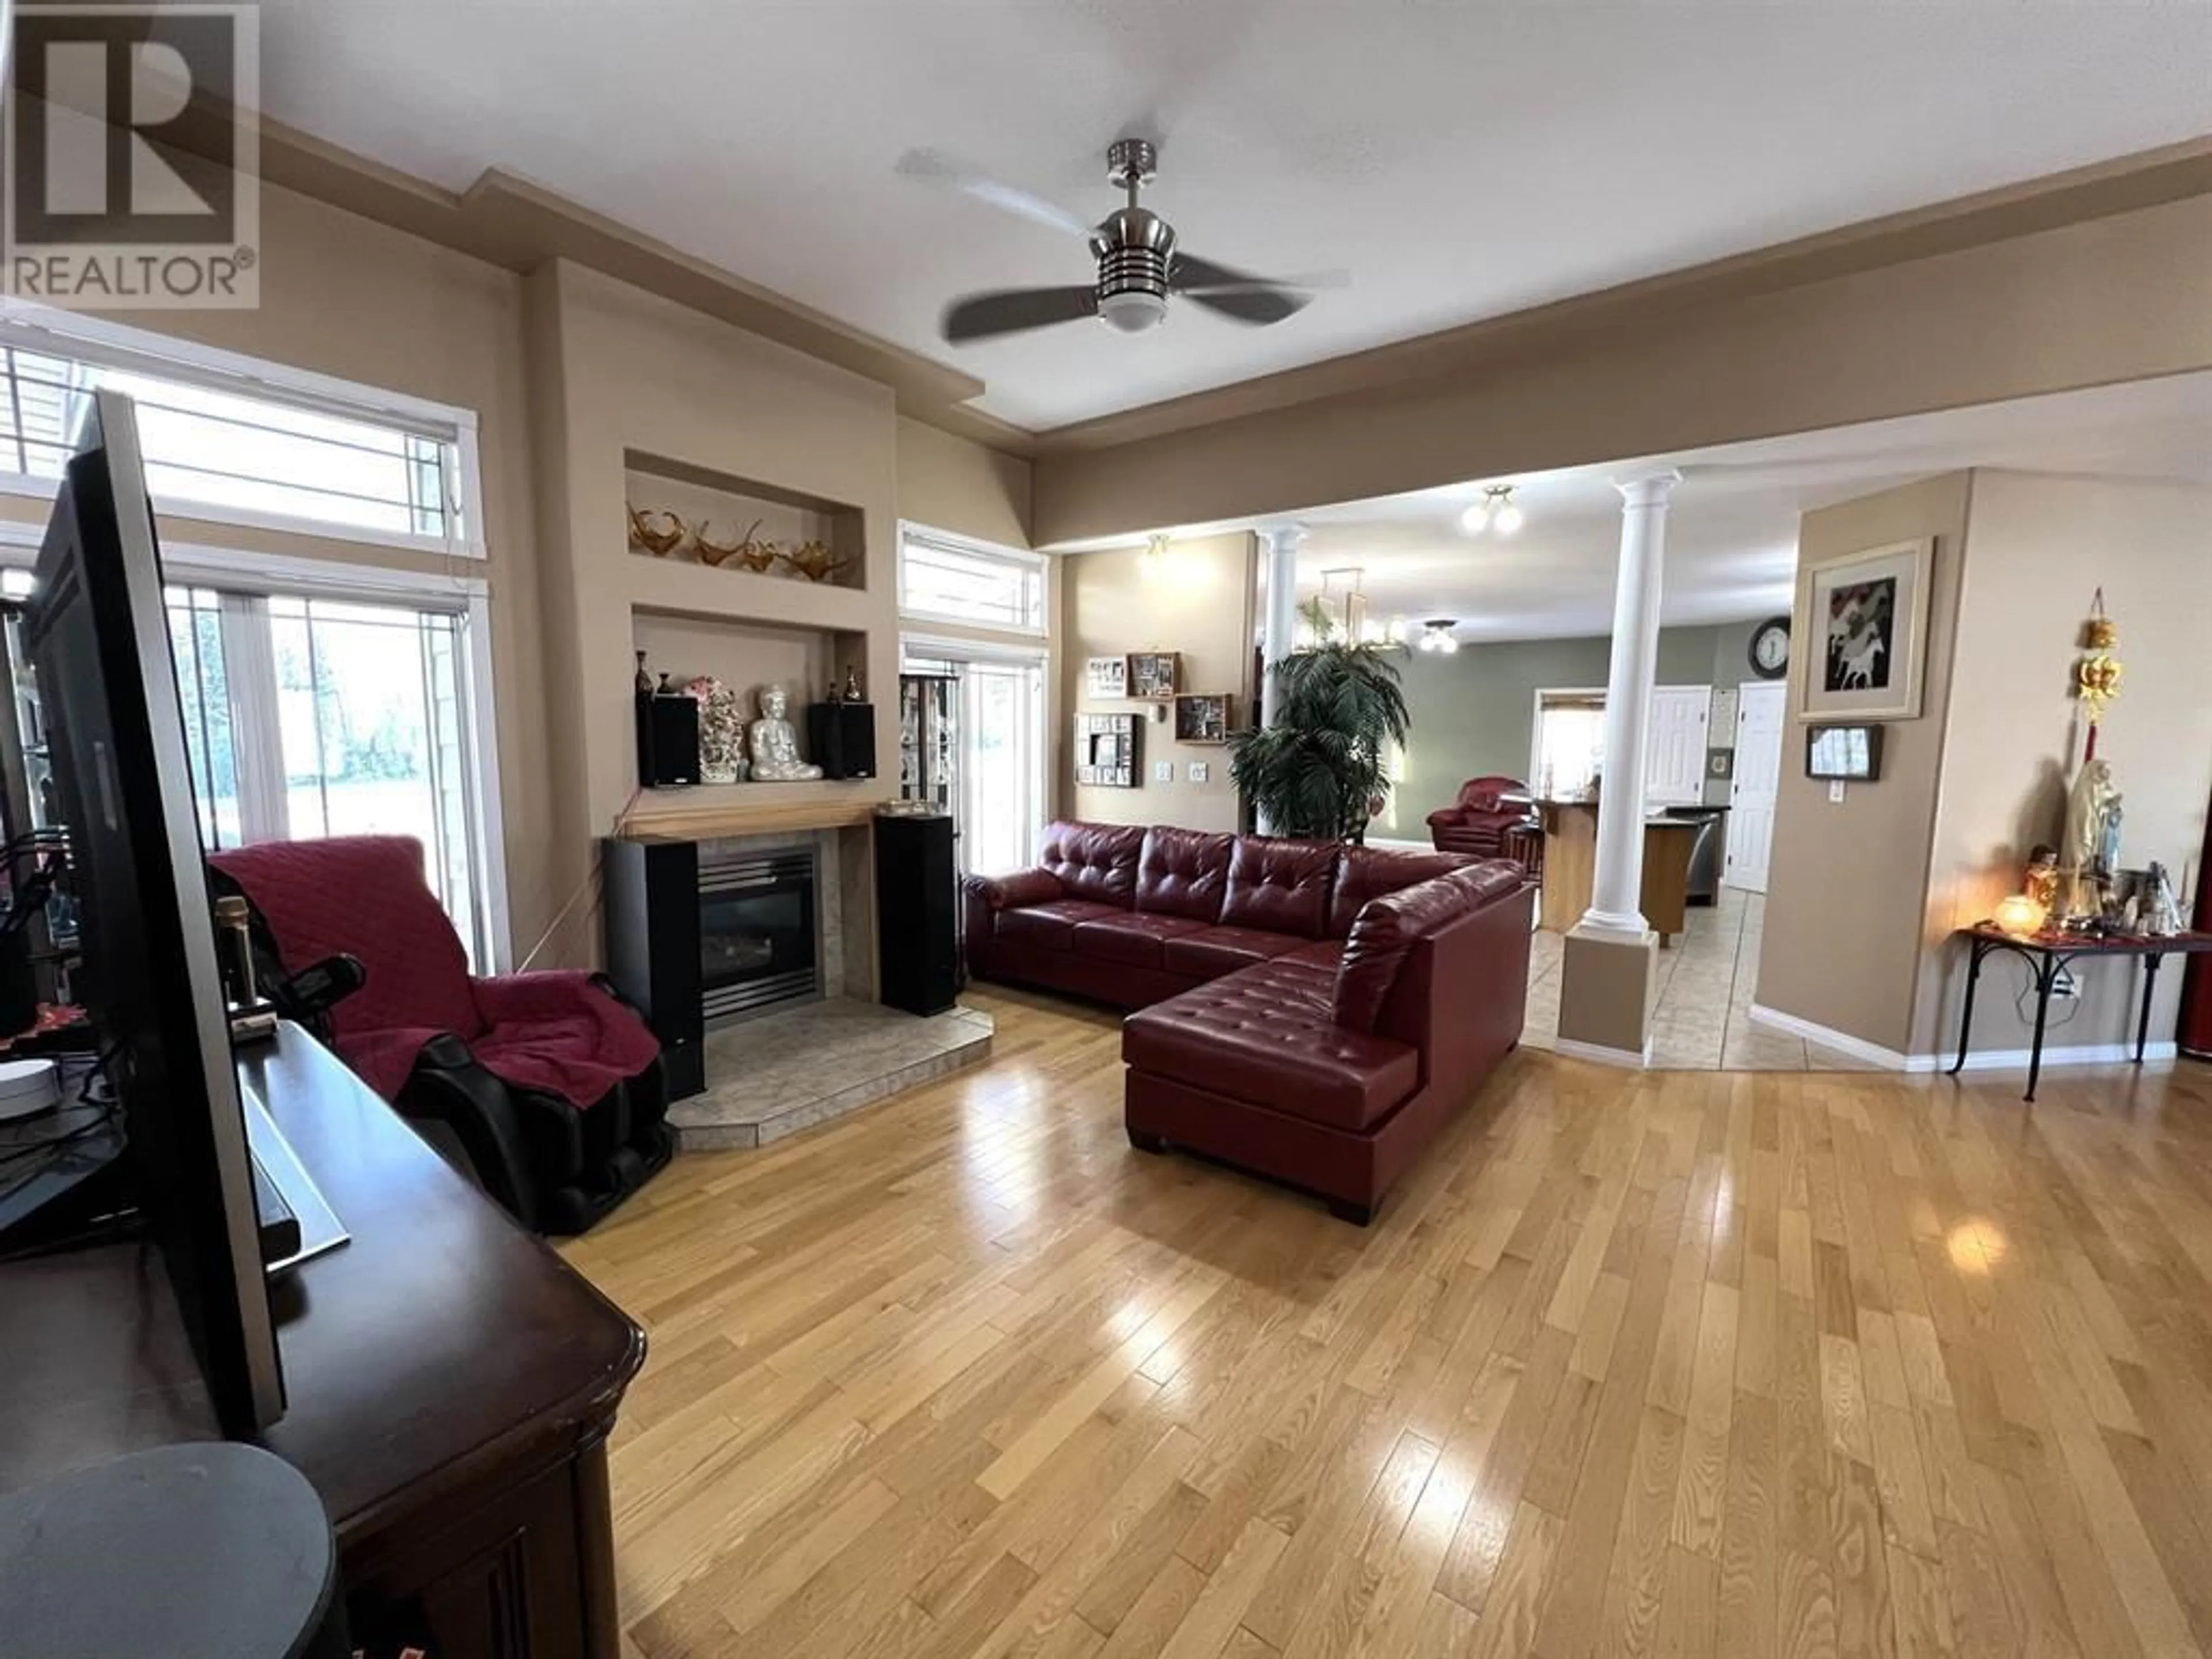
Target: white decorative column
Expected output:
[1606,964]
[1616,890]
[1278,637]
[1281,629]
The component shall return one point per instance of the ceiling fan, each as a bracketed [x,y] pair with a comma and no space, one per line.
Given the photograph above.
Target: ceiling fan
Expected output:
[1139,265]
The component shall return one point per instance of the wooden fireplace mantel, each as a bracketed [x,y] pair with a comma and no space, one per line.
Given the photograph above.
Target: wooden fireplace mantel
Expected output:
[754,809]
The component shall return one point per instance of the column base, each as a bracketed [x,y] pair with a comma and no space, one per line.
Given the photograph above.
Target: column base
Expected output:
[1606,979]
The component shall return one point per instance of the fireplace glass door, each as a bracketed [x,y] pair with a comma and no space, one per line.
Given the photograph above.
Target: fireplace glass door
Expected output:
[759,933]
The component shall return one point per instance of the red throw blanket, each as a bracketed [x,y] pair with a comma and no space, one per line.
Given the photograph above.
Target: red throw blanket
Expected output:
[364,895]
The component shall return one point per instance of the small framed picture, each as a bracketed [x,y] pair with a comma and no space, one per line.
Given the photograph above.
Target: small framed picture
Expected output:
[1203,717]
[1867,633]
[1106,677]
[1154,676]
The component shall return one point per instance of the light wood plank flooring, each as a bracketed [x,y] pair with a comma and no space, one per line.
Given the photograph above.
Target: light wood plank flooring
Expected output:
[1683,1363]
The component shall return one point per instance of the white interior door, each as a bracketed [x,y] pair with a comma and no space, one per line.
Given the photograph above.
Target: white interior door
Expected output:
[1758,726]
[1674,750]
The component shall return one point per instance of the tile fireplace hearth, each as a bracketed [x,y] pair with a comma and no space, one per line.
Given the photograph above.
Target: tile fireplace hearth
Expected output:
[787,1070]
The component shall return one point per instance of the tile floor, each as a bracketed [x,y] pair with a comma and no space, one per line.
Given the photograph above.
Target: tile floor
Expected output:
[1703,1019]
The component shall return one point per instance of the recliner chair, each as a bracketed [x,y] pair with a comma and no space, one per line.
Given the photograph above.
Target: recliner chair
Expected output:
[1479,820]
[549,1083]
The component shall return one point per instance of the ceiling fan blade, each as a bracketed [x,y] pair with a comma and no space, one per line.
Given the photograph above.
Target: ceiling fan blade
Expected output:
[1258,304]
[1011,310]
[935,168]
[1308,280]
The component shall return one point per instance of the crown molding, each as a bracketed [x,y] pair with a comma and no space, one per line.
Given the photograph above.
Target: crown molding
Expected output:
[510,222]
[2148,179]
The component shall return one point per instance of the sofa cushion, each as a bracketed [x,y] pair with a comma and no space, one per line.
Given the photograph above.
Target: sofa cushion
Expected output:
[1365,871]
[1391,924]
[1280,885]
[1134,939]
[1094,861]
[1049,925]
[1213,951]
[1323,953]
[1266,1035]
[1183,872]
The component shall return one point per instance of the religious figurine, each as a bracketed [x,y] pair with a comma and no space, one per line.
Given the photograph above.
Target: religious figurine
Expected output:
[2108,836]
[721,731]
[2041,881]
[2086,806]
[852,684]
[774,745]
[2161,908]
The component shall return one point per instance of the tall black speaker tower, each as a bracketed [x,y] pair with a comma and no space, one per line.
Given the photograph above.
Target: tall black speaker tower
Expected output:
[917,949]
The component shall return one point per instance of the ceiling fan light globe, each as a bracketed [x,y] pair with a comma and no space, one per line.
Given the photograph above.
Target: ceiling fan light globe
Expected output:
[1476,518]
[1132,312]
[1509,519]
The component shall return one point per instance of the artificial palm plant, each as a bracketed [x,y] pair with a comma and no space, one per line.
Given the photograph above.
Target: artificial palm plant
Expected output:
[1316,770]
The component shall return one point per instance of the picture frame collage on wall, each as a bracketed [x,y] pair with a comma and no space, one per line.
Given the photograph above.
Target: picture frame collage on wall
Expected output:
[1109,751]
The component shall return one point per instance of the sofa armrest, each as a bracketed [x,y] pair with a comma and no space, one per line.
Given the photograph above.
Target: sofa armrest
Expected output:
[1024,887]
[1447,818]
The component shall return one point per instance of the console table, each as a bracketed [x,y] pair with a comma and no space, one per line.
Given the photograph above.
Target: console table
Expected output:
[2047,955]
[450,1383]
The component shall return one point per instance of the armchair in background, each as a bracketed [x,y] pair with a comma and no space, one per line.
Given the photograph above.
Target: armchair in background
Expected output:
[1484,823]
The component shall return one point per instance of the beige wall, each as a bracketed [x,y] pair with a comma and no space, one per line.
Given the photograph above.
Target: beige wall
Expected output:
[2112,298]
[947,483]
[2036,549]
[1196,598]
[344,297]
[641,373]
[1846,894]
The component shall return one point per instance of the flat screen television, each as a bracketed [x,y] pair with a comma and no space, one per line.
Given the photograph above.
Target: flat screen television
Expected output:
[98,641]
[1852,753]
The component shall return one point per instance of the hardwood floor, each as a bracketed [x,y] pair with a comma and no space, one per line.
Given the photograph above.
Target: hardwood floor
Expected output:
[1679,1363]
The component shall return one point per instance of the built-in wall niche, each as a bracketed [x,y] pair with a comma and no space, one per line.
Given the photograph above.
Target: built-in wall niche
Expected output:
[745,528]
[809,665]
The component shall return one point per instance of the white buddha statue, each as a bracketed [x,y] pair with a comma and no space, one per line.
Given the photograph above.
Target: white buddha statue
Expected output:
[774,744]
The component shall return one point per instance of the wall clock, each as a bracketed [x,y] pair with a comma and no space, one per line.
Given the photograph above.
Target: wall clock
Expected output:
[1769,648]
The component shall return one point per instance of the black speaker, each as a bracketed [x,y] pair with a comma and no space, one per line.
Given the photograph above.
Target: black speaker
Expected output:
[651,896]
[917,949]
[667,740]
[843,736]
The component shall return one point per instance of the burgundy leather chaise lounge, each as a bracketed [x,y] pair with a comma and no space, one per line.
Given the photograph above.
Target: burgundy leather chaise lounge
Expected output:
[1311,1012]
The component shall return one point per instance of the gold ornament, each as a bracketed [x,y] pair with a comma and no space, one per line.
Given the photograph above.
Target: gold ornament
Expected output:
[753,555]
[2097,672]
[815,561]
[658,540]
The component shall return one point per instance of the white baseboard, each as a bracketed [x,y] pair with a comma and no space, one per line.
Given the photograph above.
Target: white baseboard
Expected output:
[1601,1054]
[1842,1042]
[1980,1060]
[1396,845]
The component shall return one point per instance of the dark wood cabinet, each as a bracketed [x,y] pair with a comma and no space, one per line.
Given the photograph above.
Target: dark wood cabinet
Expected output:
[451,1383]
[918,955]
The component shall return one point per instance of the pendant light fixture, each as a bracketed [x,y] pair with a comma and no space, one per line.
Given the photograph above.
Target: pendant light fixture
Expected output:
[1495,511]
[1437,636]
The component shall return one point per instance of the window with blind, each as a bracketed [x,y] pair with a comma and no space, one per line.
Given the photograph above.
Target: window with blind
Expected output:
[226,443]
[945,578]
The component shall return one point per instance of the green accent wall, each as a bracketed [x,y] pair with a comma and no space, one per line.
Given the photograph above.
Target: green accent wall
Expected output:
[1473,712]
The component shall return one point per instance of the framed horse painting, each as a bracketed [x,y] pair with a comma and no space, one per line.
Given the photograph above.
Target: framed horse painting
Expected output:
[1865,633]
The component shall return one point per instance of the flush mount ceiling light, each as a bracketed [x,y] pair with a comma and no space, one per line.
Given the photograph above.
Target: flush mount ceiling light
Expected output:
[1495,511]
[1437,636]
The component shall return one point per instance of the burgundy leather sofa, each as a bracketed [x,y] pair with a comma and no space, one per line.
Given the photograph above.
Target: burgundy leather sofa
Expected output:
[1311,1012]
